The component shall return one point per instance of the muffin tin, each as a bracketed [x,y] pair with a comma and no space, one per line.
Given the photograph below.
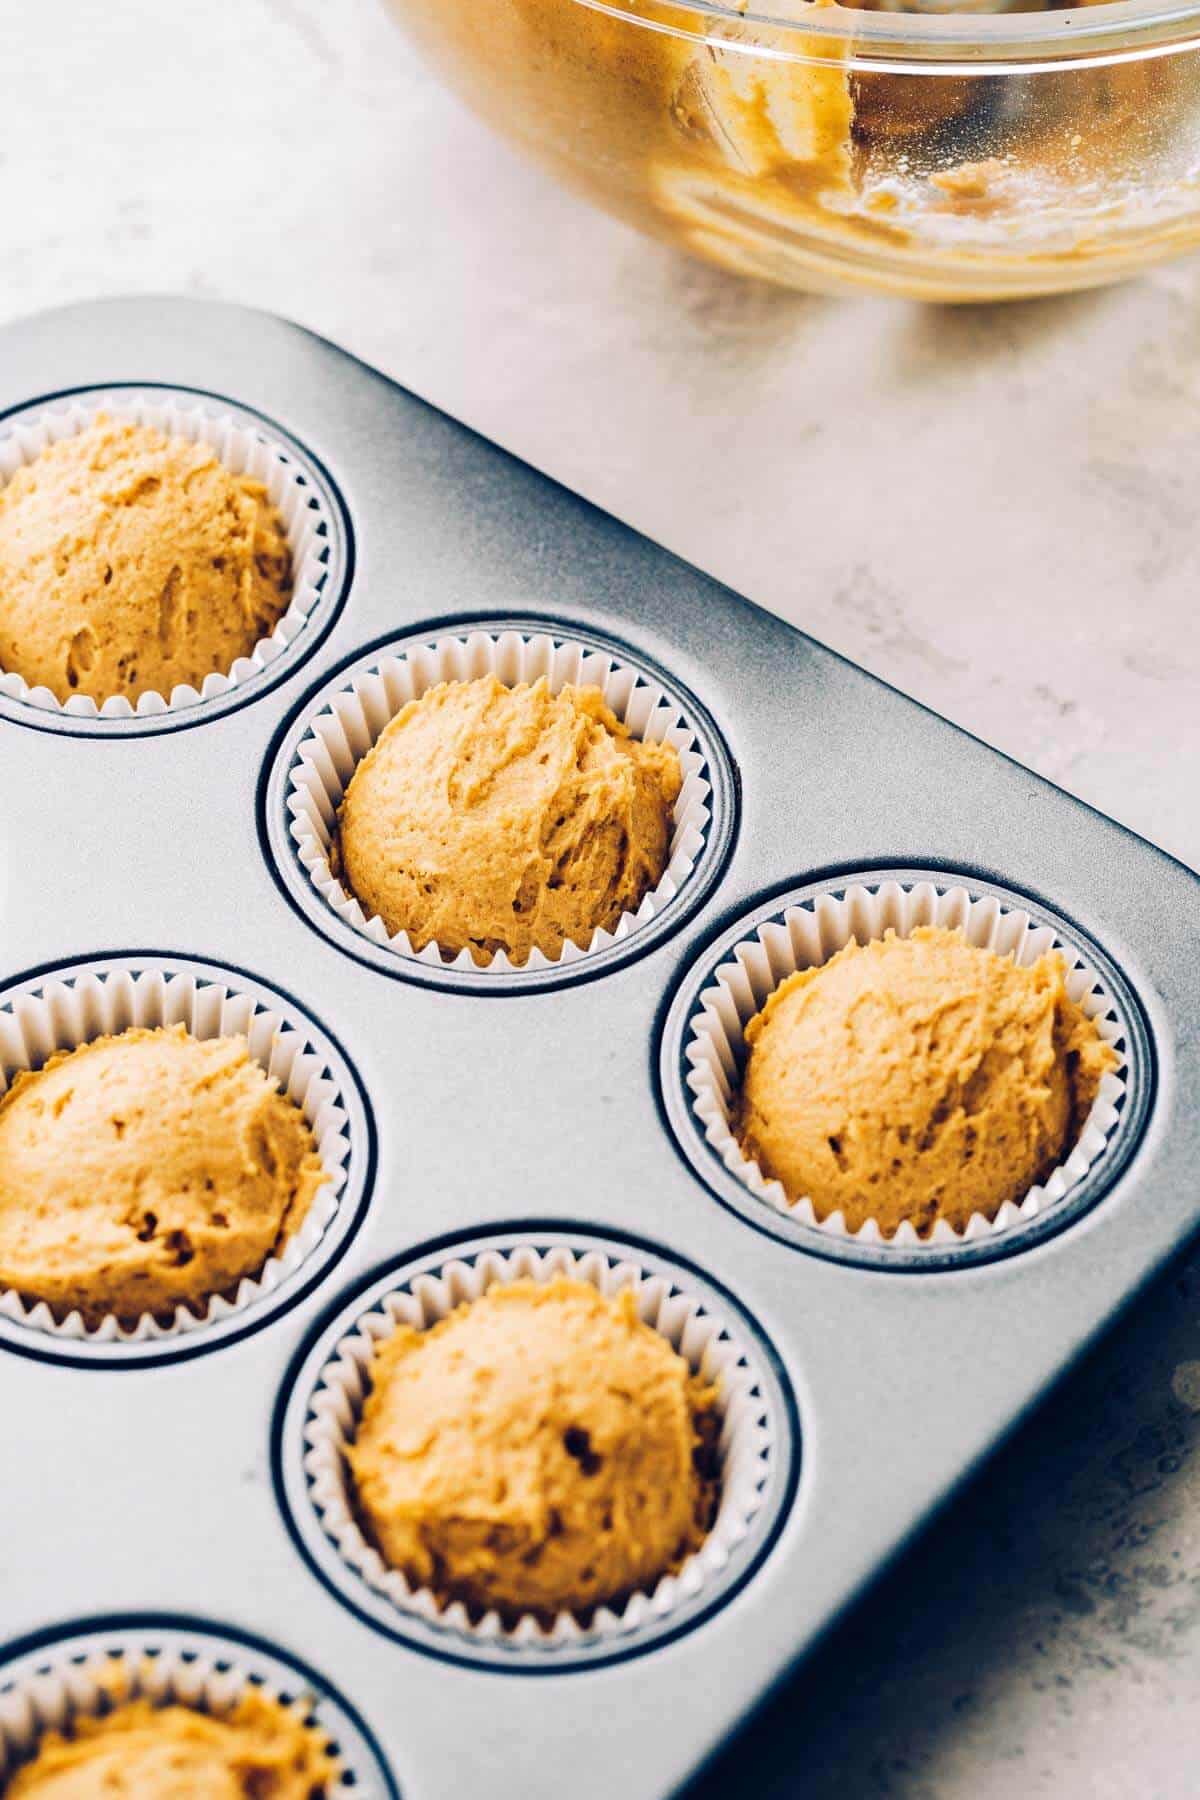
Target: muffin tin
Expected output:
[160,1487]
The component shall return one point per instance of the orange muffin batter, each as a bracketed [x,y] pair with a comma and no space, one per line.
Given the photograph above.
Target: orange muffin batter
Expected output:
[539,1450]
[145,1171]
[140,1751]
[495,818]
[131,561]
[917,1078]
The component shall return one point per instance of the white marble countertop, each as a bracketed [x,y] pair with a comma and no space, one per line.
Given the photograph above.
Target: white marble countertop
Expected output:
[992,508]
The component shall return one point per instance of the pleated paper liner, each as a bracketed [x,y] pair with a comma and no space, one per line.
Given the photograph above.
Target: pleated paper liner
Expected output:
[747,1448]
[72,1010]
[348,725]
[246,447]
[809,935]
[87,1674]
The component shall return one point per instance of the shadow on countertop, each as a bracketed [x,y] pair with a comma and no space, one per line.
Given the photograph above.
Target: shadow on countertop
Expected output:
[1057,1601]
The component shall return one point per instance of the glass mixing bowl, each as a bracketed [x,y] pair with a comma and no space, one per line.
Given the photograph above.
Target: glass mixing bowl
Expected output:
[952,155]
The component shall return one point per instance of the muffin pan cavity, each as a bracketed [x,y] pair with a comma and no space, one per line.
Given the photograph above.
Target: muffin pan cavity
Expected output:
[338,723]
[75,1003]
[703,1056]
[313,516]
[757,1447]
[72,1672]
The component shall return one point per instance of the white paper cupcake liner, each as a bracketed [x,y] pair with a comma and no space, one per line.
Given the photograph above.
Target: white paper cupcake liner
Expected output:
[351,722]
[746,1448]
[86,1677]
[246,447]
[64,1013]
[811,934]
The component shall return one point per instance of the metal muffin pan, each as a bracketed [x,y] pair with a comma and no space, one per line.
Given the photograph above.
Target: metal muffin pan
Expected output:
[150,1495]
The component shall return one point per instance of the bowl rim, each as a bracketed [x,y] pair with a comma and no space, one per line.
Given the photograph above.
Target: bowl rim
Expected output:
[939,43]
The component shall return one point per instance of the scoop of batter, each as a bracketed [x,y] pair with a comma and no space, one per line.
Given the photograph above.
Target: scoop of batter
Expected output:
[917,1078]
[145,1171]
[143,1752]
[493,818]
[539,1450]
[131,561]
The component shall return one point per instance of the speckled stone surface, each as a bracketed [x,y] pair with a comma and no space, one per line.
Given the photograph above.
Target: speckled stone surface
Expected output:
[994,509]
